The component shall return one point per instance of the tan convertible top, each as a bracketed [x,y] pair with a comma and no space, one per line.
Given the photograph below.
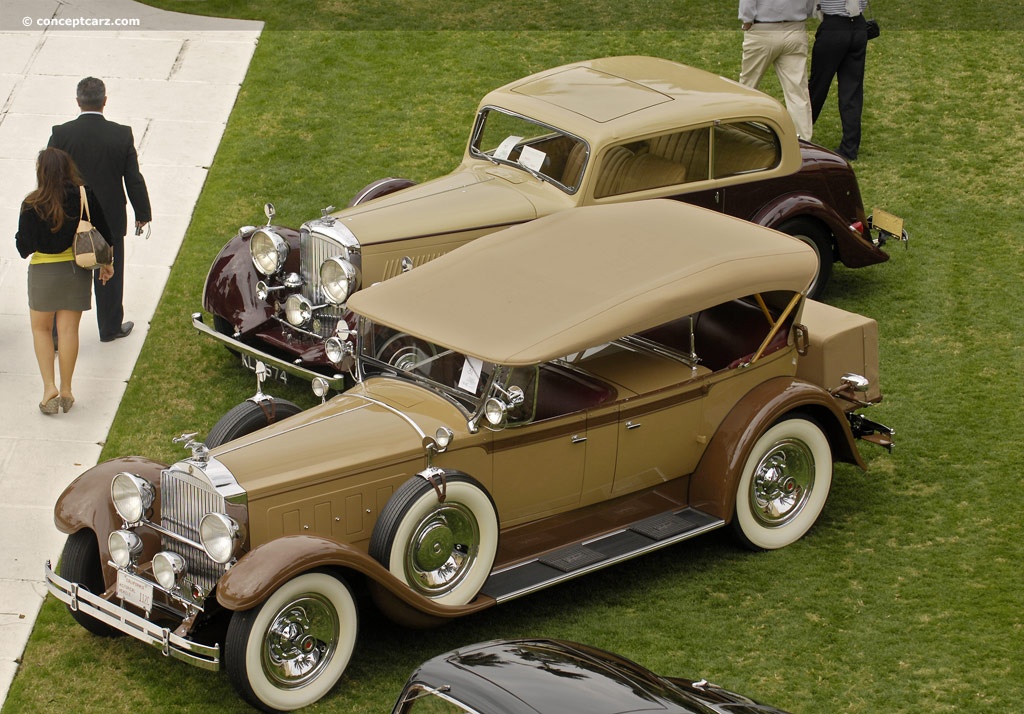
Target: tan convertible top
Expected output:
[583,277]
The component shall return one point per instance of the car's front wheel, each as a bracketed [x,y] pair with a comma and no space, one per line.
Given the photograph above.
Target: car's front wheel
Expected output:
[80,563]
[812,233]
[290,651]
[443,549]
[784,484]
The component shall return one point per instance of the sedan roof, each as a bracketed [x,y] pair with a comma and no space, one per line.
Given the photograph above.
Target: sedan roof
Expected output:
[583,277]
[610,99]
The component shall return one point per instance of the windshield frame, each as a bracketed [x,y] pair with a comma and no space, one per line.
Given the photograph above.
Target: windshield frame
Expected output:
[480,124]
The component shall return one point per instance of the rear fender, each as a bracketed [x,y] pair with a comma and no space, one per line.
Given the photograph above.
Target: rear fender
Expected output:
[713,484]
[230,289]
[264,569]
[852,249]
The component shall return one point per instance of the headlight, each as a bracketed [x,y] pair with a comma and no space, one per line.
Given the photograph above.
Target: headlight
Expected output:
[132,496]
[124,547]
[494,411]
[339,279]
[269,251]
[298,310]
[168,569]
[220,536]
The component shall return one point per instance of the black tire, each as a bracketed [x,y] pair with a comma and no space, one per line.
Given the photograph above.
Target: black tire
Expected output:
[784,484]
[814,235]
[247,417]
[291,650]
[80,563]
[379,188]
[442,550]
[221,325]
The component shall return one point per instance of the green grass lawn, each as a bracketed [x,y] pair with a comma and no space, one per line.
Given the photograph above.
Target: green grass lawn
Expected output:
[906,596]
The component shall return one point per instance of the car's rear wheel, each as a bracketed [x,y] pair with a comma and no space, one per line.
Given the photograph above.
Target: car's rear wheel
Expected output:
[247,417]
[784,484]
[80,563]
[290,651]
[812,233]
[443,549]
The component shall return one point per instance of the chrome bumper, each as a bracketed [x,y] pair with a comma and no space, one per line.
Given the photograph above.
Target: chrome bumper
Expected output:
[109,613]
[336,382]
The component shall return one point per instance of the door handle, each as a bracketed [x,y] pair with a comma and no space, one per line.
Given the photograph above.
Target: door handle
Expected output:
[577,439]
[633,425]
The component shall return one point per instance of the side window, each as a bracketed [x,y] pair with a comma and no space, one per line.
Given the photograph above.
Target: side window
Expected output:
[666,160]
[743,148]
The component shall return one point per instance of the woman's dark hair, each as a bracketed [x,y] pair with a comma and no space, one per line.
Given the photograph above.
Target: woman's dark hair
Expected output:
[55,171]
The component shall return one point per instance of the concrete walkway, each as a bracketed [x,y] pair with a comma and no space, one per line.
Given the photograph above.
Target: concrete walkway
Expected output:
[173,78]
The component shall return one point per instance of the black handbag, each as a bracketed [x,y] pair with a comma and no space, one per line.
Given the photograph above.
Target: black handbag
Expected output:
[872,25]
[90,248]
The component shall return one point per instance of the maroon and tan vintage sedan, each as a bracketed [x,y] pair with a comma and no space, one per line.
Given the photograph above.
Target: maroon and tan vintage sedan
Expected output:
[591,133]
[516,423]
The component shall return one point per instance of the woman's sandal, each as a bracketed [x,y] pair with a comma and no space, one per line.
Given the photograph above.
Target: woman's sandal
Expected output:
[51,406]
[66,403]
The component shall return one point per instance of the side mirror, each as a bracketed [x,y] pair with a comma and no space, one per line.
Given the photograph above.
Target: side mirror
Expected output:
[269,211]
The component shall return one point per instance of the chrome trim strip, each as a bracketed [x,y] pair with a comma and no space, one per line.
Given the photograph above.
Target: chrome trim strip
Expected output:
[168,642]
[336,382]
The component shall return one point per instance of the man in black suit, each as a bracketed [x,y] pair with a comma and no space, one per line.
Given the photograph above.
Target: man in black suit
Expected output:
[106,157]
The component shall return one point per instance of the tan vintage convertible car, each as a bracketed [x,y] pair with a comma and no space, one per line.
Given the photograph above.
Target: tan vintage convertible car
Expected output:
[590,133]
[530,407]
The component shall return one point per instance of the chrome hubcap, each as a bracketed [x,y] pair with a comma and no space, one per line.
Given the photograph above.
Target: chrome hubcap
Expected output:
[782,483]
[442,550]
[301,641]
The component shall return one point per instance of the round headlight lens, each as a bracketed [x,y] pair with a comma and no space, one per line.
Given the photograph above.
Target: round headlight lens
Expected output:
[298,310]
[269,251]
[124,547]
[339,279]
[132,496]
[168,569]
[443,437]
[494,411]
[219,535]
[335,349]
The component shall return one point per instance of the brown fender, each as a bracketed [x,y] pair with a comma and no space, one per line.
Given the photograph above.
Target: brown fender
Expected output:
[713,484]
[230,288]
[264,569]
[86,503]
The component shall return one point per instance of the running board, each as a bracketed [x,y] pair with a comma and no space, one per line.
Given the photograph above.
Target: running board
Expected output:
[584,557]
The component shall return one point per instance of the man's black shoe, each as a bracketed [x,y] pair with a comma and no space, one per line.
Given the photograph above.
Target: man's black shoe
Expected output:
[126,329]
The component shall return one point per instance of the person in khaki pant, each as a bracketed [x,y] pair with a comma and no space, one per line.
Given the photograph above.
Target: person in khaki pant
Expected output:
[775,34]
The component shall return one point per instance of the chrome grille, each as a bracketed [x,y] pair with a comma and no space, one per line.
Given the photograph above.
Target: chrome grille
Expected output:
[314,249]
[184,500]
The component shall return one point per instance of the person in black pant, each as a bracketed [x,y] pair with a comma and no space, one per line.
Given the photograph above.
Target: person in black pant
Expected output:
[840,50]
[105,154]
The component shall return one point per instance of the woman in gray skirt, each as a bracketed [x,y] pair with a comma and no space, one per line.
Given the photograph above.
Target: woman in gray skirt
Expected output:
[57,288]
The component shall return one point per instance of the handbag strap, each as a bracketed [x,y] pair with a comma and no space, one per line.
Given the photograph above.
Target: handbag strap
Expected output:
[84,210]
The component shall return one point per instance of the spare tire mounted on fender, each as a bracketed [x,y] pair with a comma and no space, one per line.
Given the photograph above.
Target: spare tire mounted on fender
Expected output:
[439,536]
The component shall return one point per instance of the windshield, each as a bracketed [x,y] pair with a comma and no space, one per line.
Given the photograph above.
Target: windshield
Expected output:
[545,152]
[385,351]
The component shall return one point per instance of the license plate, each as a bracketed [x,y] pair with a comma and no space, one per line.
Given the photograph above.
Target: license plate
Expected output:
[135,591]
[249,362]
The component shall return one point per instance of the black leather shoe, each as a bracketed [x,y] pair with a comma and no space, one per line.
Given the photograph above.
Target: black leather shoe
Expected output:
[126,329]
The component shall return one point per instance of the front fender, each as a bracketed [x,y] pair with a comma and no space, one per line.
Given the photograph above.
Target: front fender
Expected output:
[264,569]
[86,502]
[713,484]
[230,288]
